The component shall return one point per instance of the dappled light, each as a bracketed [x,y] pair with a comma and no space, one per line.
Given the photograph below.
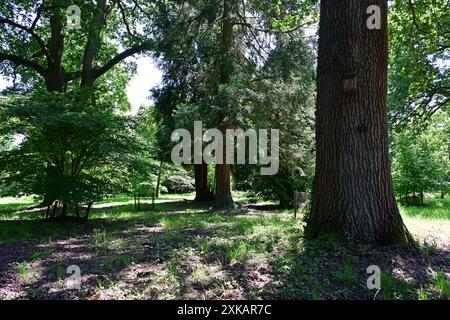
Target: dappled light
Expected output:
[244,151]
[186,251]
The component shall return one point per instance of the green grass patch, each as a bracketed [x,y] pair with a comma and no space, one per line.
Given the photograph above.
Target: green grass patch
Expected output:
[347,275]
[443,285]
[181,244]
[24,271]
[432,209]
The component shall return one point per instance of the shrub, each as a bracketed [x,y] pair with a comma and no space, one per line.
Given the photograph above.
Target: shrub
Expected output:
[178,182]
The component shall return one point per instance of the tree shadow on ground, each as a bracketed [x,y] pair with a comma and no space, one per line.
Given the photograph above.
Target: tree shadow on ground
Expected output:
[326,270]
[181,251]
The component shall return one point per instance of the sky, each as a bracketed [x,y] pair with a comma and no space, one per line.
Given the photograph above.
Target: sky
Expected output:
[147,77]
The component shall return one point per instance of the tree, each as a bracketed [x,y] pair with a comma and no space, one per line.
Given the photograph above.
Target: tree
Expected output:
[39,49]
[179,89]
[284,101]
[419,72]
[73,149]
[35,38]
[353,195]
[421,160]
[226,43]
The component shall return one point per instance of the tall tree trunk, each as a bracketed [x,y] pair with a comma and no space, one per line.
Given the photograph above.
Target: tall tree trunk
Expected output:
[55,78]
[158,180]
[223,198]
[202,191]
[93,44]
[353,189]
[51,173]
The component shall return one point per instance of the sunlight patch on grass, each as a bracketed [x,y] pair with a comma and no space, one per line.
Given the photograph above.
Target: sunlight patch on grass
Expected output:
[433,209]
[17,200]
[239,251]
[428,231]
[202,275]
[24,271]
[183,221]
[9,205]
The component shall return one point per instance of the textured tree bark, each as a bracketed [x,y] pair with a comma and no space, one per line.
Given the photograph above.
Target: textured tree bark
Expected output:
[55,78]
[93,44]
[223,198]
[353,191]
[202,191]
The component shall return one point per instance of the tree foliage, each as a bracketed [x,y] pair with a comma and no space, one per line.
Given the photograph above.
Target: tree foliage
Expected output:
[419,69]
[421,160]
[85,146]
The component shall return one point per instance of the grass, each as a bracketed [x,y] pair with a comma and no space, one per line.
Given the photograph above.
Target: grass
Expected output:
[164,196]
[10,202]
[116,261]
[10,205]
[422,295]
[181,250]
[24,271]
[443,285]
[430,222]
[432,209]
[391,287]
[238,252]
[202,275]
[347,275]
[59,272]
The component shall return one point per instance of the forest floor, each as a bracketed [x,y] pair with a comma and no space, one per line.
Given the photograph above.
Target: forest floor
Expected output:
[185,251]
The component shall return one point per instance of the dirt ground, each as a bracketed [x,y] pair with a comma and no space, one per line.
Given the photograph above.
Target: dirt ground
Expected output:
[191,254]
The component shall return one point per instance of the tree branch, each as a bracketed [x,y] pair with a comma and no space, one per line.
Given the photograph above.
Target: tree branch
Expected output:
[38,15]
[30,32]
[120,57]
[72,76]
[124,18]
[416,24]
[24,62]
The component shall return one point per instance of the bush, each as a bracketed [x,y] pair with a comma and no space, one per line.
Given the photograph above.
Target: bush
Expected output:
[178,182]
